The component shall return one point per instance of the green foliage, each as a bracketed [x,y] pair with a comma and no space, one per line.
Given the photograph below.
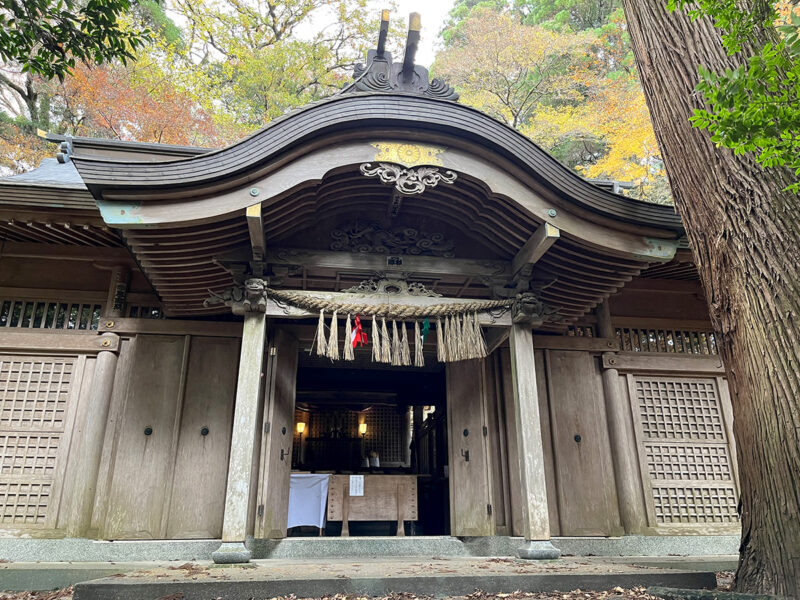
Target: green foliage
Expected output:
[48,36]
[755,107]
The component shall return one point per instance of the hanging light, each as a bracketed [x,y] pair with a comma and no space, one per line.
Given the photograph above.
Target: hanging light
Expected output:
[301,427]
[362,429]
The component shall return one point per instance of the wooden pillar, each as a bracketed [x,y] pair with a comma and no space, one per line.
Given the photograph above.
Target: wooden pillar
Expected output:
[535,514]
[623,443]
[92,432]
[90,449]
[243,442]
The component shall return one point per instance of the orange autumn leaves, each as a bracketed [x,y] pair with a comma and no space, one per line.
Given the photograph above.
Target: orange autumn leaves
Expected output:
[134,103]
[562,89]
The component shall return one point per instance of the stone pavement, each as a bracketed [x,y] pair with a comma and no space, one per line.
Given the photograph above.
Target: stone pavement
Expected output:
[454,576]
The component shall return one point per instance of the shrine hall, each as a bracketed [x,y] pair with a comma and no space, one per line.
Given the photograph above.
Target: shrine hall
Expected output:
[383,315]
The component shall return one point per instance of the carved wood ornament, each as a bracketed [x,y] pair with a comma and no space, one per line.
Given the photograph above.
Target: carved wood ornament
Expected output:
[409,181]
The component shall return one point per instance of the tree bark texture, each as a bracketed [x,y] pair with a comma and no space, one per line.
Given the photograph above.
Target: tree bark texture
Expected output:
[745,234]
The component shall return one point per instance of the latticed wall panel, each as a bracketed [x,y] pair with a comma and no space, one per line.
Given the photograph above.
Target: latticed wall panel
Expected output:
[49,314]
[685,450]
[34,404]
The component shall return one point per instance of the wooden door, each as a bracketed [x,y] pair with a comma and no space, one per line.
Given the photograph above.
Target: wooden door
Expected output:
[197,501]
[276,450]
[587,498]
[143,453]
[470,493]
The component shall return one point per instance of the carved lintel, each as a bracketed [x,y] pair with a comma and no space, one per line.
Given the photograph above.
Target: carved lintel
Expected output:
[241,299]
[408,180]
[382,285]
[372,238]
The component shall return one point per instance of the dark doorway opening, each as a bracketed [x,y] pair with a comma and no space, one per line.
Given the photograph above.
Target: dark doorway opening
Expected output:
[377,420]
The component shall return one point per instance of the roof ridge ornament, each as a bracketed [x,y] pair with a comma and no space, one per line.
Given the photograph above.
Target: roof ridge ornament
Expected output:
[380,74]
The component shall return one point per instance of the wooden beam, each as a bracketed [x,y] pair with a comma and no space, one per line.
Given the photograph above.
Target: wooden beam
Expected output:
[286,311]
[57,342]
[255,225]
[417,265]
[65,252]
[667,324]
[573,342]
[541,240]
[663,363]
[171,327]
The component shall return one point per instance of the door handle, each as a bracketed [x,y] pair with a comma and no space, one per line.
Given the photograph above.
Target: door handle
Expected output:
[285,453]
[465,454]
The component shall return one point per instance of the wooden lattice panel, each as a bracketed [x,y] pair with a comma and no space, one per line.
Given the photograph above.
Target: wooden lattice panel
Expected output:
[639,339]
[685,450]
[34,402]
[688,463]
[48,314]
[28,454]
[24,503]
[680,408]
[695,505]
[34,392]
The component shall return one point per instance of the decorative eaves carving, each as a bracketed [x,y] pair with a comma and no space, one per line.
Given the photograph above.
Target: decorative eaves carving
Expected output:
[372,238]
[408,180]
[528,309]
[381,285]
[247,298]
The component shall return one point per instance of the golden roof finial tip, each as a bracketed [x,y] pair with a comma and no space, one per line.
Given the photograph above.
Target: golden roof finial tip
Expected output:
[414,22]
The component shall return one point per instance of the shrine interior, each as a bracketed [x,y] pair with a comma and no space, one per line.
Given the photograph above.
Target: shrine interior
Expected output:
[373,419]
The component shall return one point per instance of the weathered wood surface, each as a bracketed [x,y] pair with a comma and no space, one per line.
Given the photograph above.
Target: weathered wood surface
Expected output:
[623,443]
[660,362]
[545,236]
[386,498]
[568,342]
[67,341]
[587,497]
[141,462]
[60,252]
[530,448]
[399,111]
[276,448]
[245,429]
[468,462]
[419,265]
[170,326]
[201,462]
[656,323]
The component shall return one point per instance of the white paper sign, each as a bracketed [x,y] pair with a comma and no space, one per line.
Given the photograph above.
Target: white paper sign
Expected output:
[356,485]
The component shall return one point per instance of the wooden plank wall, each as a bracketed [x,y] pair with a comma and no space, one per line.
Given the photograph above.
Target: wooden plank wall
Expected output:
[170,483]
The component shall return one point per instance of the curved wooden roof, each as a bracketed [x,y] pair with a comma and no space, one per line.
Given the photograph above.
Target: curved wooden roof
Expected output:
[340,115]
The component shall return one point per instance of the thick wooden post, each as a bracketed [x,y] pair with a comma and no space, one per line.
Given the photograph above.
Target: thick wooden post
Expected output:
[243,442]
[535,515]
[90,448]
[623,443]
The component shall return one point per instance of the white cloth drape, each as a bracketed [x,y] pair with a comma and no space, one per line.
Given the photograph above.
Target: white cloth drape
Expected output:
[308,495]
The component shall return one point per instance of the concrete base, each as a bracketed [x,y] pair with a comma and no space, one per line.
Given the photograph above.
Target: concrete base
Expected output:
[379,577]
[83,550]
[538,550]
[231,553]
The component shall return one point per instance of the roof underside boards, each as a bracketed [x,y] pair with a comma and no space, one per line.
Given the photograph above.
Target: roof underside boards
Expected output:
[185,264]
[107,178]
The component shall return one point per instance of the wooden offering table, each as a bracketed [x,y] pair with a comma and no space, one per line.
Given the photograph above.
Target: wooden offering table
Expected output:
[386,498]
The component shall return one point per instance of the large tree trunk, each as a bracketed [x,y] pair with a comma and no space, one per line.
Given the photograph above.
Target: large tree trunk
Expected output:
[745,234]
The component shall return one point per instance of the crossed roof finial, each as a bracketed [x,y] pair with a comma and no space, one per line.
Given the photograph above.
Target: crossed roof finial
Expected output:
[380,74]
